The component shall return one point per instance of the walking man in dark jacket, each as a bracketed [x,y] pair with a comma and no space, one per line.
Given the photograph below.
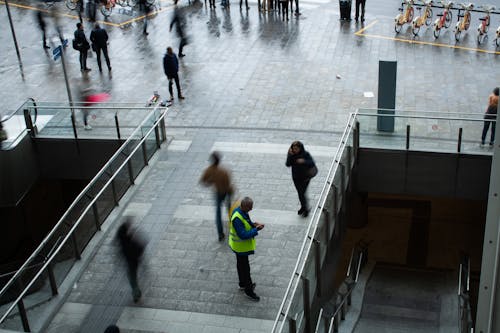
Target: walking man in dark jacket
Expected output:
[43,26]
[99,39]
[179,20]
[171,68]
[84,46]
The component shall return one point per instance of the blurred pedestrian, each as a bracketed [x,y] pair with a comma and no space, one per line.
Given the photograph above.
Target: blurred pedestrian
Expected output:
[360,3]
[179,20]
[80,8]
[3,134]
[92,9]
[302,171]
[490,116]
[212,4]
[112,329]
[220,179]
[132,247]
[40,16]
[242,232]
[145,9]
[246,4]
[82,46]
[99,39]
[171,69]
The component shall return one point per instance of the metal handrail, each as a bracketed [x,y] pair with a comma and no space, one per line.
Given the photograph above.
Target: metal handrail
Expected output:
[464,306]
[61,220]
[421,117]
[10,115]
[313,224]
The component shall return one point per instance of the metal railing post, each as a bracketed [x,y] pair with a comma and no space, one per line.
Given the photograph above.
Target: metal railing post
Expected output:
[75,247]
[157,137]
[317,258]
[52,279]
[130,172]
[459,147]
[96,215]
[113,190]
[407,137]
[144,153]
[327,224]
[335,202]
[117,124]
[307,305]
[163,129]
[355,140]
[292,325]
[22,309]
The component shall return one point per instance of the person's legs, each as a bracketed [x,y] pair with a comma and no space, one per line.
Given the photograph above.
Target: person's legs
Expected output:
[45,39]
[493,128]
[178,85]
[82,67]
[181,46]
[219,198]
[356,15]
[84,59]
[106,56]
[132,276]
[301,187]
[98,54]
[243,267]
[170,90]
[486,125]
[363,2]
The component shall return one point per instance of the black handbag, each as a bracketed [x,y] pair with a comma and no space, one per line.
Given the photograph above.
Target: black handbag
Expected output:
[312,171]
[76,45]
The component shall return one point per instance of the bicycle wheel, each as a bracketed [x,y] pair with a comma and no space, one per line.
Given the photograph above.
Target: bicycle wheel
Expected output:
[447,21]
[410,15]
[132,3]
[398,27]
[122,3]
[497,42]
[479,38]
[71,4]
[415,28]
[428,20]
[106,12]
[457,34]
[436,32]
[150,2]
[467,22]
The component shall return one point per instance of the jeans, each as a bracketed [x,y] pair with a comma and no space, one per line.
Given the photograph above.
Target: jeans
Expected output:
[105,52]
[486,126]
[301,187]
[243,267]
[219,200]
[171,80]
[83,59]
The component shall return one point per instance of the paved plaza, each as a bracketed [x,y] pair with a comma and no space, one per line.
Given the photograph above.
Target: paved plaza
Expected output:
[253,84]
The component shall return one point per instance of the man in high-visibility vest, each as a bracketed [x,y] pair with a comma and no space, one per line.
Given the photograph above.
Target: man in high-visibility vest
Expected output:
[241,240]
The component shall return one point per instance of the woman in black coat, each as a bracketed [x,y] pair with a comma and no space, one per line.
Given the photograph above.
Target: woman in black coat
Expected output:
[301,162]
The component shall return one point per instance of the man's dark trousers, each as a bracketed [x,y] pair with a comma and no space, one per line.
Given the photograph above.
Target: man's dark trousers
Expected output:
[243,267]
[177,84]
[105,52]
[362,4]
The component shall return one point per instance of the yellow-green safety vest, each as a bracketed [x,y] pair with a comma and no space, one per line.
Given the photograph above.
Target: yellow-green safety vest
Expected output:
[237,244]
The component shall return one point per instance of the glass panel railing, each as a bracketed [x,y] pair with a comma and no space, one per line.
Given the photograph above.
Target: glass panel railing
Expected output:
[422,131]
[69,237]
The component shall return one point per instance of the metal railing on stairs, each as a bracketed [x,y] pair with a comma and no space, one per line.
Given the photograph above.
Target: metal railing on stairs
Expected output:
[465,320]
[329,322]
[83,219]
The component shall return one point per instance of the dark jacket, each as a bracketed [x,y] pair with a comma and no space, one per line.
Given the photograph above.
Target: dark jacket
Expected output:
[81,39]
[170,64]
[99,37]
[41,20]
[300,170]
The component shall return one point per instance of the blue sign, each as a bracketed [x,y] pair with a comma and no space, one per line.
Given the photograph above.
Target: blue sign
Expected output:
[57,51]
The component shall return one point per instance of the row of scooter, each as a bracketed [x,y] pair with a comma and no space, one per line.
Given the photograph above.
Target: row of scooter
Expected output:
[444,18]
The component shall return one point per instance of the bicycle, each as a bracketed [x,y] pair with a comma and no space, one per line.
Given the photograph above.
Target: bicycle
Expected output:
[72,4]
[405,17]
[444,19]
[422,19]
[482,29]
[107,7]
[497,39]
[464,23]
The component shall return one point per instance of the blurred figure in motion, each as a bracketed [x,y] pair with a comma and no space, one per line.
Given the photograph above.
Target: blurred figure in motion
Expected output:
[145,9]
[3,134]
[40,17]
[88,98]
[132,246]
[112,329]
[179,20]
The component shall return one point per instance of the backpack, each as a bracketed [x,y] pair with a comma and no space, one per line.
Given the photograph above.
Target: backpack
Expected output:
[77,46]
